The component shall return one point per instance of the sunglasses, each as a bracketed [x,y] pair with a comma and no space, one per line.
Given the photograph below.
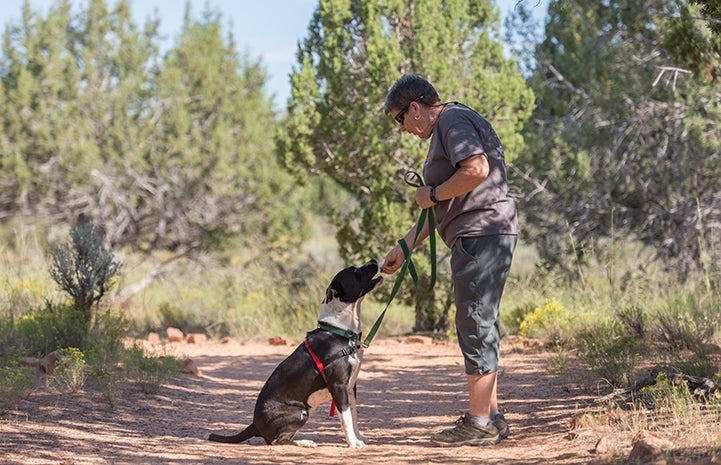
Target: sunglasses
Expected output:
[401,116]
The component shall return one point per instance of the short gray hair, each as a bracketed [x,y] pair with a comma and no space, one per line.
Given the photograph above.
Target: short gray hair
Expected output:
[408,88]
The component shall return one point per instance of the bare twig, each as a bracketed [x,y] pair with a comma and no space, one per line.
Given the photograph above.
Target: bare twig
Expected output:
[675,74]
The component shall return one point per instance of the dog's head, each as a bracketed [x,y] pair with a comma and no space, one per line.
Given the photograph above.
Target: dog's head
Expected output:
[352,284]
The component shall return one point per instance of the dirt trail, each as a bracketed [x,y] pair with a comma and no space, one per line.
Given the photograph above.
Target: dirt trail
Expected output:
[406,392]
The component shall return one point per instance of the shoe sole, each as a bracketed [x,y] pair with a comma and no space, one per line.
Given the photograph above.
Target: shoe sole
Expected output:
[469,442]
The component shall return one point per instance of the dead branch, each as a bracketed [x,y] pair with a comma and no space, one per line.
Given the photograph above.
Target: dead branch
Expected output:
[672,69]
[701,388]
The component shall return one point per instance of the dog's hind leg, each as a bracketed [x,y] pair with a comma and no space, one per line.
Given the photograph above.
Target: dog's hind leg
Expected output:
[287,439]
[286,424]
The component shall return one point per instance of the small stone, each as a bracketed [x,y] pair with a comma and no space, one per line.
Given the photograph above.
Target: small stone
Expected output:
[189,367]
[647,446]
[603,446]
[174,334]
[196,338]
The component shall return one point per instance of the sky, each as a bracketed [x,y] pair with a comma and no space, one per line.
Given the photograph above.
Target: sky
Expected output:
[269,29]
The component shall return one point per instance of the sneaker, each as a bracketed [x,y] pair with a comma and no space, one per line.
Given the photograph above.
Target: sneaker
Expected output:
[466,433]
[499,421]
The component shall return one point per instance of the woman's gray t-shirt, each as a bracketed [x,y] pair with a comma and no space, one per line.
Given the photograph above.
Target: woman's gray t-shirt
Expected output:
[487,210]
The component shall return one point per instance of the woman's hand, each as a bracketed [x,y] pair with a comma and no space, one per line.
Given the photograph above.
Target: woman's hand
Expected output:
[394,260]
[423,197]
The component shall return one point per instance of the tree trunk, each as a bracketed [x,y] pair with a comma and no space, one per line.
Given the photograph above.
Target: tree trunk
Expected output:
[430,316]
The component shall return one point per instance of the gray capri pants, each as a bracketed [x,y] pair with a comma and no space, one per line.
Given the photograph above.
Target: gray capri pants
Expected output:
[480,266]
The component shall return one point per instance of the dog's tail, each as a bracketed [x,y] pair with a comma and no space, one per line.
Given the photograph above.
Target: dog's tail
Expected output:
[244,435]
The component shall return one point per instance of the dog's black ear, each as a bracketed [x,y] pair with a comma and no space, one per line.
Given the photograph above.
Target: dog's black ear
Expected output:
[330,294]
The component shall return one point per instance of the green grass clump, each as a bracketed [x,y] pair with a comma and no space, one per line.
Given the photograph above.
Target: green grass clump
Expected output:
[610,351]
[45,329]
[16,383]
[150,371]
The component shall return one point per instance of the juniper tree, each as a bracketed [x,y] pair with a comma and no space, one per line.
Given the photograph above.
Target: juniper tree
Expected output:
[623,141]
[336,128]
[171,153]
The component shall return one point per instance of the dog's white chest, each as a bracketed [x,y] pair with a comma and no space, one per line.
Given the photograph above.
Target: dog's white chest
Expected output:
[355,363]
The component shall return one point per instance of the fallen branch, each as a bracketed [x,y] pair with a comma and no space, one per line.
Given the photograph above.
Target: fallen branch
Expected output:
[701,388]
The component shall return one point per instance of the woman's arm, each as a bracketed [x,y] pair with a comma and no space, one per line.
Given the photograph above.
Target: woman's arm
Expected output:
[395,258]
[470,173]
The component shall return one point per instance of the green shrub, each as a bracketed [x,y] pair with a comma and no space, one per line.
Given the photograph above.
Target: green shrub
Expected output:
[84,269]
[105,349]
[106,352]
[696,364]
[609,350]
[671,401]
[69,376]
[150,372]
[111,384]
[44,330]
[176,317]
[16,383]
[512,320]
[635,319]
[550,323]
[7,334]
[688,323]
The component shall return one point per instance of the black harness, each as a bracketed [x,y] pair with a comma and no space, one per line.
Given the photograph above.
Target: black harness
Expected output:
[354,345]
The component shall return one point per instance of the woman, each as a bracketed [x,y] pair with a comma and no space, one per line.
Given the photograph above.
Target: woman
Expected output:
[466,185]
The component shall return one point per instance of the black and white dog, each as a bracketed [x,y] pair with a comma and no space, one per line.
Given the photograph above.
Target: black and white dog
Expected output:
[324,367]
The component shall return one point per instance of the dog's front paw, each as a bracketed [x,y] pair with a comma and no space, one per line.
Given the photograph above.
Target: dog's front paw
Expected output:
[305,443]
[356,444]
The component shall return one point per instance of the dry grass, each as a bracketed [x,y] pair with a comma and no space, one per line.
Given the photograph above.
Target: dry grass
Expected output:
[668,412]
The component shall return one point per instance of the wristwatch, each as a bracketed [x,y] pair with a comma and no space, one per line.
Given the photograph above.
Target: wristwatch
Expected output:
[433,195]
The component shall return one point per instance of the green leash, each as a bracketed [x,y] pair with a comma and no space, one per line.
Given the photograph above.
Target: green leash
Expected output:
[413,179]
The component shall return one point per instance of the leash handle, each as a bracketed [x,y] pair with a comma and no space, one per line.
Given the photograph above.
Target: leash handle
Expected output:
[413,179]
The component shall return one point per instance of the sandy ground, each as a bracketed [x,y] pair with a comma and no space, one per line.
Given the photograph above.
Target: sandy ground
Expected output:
[407,390]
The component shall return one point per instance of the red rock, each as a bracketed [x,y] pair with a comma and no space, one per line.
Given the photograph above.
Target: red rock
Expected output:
[196,338]
[174,334]
[189,367]
[646,446]
[603,446]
